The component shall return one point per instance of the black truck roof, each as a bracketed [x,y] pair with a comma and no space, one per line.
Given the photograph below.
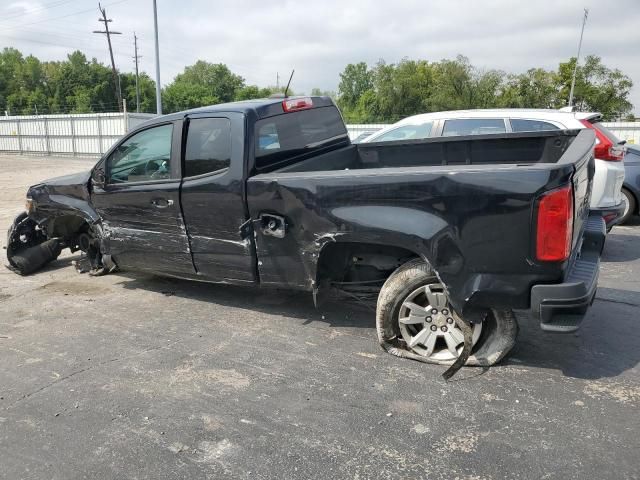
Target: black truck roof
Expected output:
[261,108]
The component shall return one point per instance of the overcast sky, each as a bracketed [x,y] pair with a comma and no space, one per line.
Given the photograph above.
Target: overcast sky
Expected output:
[259,39]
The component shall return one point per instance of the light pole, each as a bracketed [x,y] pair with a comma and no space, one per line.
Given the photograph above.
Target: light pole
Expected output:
[158,90]
[575,67]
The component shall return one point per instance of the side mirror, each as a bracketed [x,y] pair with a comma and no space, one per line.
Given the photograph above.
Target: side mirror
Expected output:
[98,177]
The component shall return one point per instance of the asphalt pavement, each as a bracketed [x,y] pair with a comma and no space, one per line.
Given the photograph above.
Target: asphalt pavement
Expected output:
[132,376]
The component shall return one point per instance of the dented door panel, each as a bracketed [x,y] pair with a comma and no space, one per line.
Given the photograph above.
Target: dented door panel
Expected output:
[143,226]
[142,222]
[215,212]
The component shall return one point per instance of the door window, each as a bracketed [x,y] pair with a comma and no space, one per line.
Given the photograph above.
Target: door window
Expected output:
[518,125]
[406,132]
[208,146]
[473,126]
[145,156]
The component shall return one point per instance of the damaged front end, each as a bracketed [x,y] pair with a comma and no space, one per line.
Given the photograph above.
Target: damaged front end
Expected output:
[31,245]
[28,248]
[58,215]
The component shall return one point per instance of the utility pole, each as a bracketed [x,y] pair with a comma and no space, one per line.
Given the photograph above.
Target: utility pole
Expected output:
[136,57]
[108,33]
[575,67]
[277,81]
[158,90]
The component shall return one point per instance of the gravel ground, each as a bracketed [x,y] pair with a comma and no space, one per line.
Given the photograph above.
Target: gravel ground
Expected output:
[135,376]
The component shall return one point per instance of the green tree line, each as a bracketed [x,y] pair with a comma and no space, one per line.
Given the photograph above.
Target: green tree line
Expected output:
[366,94]
[79,85]
[389,92]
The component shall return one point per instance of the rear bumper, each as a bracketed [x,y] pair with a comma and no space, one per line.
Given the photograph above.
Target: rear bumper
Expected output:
[610,215]
[561,307]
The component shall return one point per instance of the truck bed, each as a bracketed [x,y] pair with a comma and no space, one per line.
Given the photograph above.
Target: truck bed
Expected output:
[508,149]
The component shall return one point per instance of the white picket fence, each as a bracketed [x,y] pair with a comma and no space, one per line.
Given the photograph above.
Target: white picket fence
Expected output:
[93,134]
[74,134]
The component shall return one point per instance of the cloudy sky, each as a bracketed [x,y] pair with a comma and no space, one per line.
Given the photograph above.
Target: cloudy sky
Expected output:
[260,39]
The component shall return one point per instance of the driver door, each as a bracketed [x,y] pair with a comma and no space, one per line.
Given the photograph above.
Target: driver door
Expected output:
[139,201]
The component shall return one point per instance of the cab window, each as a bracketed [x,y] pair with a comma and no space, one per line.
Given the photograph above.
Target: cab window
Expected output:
[518,125]
[208,146]
[473,126]
[145,156]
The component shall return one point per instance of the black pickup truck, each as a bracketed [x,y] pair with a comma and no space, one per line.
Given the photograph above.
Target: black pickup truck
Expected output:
[451,234]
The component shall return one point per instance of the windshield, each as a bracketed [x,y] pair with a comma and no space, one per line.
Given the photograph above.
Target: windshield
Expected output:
[283,137]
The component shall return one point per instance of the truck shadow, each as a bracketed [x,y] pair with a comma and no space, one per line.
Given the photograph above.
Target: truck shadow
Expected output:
[331,311]
[605,346]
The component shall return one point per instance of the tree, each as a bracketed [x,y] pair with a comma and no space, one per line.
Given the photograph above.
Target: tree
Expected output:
[250,92]
[354,81]
[537,88]
[598,88]
[202,83]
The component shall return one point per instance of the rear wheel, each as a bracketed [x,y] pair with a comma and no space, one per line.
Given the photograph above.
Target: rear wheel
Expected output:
[415,320]
[630,206]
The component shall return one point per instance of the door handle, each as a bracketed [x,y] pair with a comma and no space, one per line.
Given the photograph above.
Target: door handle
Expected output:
[161,202]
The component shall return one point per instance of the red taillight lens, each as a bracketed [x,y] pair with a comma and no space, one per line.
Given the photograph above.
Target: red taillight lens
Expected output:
[605,149]
[555,225]
[295,104]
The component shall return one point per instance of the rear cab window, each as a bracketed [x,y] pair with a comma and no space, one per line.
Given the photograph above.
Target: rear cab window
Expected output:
[473,126]
[284,138]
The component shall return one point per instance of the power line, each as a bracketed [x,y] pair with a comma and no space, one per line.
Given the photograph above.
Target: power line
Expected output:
[37,10]
[116,79]
[64,16]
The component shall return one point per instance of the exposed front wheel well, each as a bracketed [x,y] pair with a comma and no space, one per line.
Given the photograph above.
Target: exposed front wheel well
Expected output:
[66,226]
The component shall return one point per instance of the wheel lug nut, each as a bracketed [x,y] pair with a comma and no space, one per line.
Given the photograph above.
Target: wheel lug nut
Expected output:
[434,311]
[429,319]
[445,311]
[433,328]
[444,329]
[449,320]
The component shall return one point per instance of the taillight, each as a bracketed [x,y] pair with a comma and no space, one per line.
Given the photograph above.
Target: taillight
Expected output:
[555,225]
[294,104]
[605,149]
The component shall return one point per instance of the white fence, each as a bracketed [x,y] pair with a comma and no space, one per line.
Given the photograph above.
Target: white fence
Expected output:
[74,134]
[629,131]
[93,134]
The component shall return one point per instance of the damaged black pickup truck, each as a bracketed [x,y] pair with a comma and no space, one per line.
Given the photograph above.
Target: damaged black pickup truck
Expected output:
[451,234]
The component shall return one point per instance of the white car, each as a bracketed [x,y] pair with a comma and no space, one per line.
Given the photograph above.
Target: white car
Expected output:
[606,196]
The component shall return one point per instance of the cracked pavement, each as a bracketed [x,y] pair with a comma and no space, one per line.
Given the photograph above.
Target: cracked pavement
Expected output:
[133,376]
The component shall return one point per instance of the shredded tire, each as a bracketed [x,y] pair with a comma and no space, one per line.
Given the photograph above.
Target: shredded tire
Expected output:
[498,334]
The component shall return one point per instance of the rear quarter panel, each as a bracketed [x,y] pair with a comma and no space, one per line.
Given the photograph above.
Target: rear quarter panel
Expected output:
[473,224]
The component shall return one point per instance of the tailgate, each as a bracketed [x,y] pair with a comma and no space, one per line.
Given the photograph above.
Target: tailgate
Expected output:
[580,153]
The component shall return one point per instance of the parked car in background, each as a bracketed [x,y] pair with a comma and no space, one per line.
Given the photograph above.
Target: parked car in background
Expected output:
[362,136]
[631,186]
[606,197]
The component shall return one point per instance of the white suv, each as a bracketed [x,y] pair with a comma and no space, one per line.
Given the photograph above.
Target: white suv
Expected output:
[606,196]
